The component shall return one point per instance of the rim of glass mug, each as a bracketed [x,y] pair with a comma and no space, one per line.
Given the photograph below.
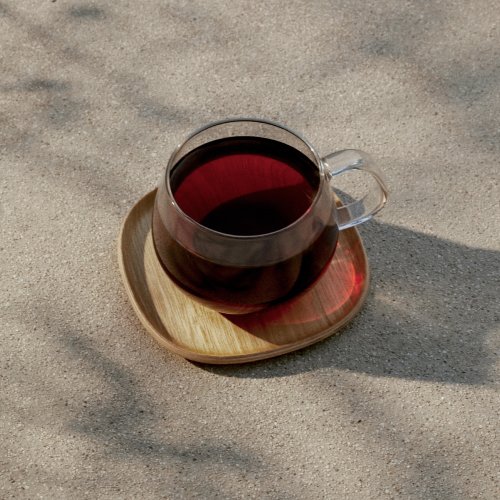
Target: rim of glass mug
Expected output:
[333,164]
[173,161]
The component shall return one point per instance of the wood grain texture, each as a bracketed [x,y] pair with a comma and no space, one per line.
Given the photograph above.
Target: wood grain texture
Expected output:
[197,333]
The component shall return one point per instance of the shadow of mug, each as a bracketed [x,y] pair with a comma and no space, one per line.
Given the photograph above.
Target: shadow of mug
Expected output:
[432,306]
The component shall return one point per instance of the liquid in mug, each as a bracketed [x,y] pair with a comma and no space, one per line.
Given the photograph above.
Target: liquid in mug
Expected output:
[243,186]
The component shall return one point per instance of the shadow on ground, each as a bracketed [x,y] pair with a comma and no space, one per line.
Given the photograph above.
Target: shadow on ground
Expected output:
[431,306]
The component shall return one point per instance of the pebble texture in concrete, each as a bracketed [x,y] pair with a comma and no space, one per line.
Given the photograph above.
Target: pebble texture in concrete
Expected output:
[403,404]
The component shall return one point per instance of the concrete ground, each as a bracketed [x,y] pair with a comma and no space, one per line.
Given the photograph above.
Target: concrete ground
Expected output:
[403,404]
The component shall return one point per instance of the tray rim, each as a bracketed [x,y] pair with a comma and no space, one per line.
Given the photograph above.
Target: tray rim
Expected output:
[220,359]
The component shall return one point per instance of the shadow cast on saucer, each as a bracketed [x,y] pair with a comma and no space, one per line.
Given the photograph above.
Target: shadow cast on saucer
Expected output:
[431,307]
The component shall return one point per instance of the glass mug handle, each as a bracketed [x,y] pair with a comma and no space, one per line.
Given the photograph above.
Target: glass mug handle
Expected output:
[365,208]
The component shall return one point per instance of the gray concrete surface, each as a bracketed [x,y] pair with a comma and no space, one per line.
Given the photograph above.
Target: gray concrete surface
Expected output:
[404,404]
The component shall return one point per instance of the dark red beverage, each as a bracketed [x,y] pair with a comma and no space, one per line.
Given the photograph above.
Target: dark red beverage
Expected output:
[244,187]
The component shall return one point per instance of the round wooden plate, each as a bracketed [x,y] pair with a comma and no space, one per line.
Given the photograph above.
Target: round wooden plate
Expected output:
[197,333]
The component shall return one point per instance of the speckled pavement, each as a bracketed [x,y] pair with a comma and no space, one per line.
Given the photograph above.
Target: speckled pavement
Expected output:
[403,404]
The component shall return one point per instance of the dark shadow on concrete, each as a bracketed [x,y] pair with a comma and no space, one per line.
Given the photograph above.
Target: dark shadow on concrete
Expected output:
[87,12]
[466,84]
[470,88]
[431,305]
[49,105]
[60,106]
[43,84]
[125,421]
[4,11]
[36,85]
[149,109]
[462,80]
[131,88]
[394,33]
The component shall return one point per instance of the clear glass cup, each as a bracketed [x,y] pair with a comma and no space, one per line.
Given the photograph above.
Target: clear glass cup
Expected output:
[245,214]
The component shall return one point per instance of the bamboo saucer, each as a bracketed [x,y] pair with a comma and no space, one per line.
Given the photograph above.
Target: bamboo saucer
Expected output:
[197,333]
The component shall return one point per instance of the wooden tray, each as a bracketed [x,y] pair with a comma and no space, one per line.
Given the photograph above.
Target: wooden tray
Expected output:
[197,333]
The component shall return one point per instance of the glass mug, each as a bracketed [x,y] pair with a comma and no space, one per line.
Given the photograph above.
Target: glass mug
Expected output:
[245,216]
